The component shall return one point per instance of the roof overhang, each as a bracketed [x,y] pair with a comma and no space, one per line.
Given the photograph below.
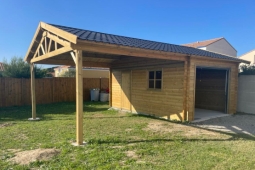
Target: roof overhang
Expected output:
[52,45]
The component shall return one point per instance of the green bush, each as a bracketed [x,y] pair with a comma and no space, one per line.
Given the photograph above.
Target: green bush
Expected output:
[17,68]
[247,69]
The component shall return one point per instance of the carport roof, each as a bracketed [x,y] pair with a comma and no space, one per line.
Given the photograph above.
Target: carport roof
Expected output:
[140,43]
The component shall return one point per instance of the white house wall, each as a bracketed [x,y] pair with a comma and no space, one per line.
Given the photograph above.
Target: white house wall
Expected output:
[222,47]
[246,94]
[249,56]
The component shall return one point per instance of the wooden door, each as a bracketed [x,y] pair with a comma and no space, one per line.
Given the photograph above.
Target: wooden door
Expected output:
[126,88]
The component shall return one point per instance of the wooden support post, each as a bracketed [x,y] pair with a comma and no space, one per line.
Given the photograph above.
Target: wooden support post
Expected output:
[79,98]
[33,99]
[110,87]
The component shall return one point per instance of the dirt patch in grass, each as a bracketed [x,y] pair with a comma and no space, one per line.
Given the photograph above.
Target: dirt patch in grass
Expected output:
[2,125]
[163,127]
[26,157]
[131,154]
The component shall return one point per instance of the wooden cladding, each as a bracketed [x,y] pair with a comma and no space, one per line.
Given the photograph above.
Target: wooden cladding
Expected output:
[166,102]
[176,99]
[17,92]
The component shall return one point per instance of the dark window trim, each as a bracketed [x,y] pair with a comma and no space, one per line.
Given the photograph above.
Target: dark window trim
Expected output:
[154,79]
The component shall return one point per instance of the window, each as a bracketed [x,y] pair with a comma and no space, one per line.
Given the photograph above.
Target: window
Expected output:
[155,79]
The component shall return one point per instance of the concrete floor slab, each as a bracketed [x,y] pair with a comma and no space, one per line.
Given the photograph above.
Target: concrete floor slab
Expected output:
[203,114]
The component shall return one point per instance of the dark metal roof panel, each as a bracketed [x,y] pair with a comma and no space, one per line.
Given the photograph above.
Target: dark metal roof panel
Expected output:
[140,43]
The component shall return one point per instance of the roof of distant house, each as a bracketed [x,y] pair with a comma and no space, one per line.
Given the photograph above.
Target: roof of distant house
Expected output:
[1,66]
[202,43]
[205,43]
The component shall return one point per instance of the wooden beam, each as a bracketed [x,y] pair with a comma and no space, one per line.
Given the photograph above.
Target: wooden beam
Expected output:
[71,63]
[127,51]
[51,54]
[58,40]
[39,45]
[64,34]
[32,42]
[56,45]
[46,46]
[73,56]
[187,96]
[33,99]
[79,98]
[49,47]
[42,49]
[110,87]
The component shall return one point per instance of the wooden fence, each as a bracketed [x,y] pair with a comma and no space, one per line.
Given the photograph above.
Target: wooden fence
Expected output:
[17,92]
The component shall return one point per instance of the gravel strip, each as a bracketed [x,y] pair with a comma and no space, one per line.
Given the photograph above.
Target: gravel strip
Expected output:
[238,123]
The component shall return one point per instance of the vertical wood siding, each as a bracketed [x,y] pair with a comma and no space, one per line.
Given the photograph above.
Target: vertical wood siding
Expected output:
[116,89]
[17,92]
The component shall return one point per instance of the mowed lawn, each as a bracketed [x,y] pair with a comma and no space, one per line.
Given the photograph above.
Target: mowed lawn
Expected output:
[118,140]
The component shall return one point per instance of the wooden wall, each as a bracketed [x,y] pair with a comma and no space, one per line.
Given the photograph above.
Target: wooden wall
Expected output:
[116,89]
[176,100]
[17,92]
[233,82]
[167,102]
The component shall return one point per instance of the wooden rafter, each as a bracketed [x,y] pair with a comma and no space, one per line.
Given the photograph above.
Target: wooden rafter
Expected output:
[37,52]
[51,54]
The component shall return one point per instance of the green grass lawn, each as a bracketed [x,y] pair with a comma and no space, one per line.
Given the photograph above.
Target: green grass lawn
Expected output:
[118,141]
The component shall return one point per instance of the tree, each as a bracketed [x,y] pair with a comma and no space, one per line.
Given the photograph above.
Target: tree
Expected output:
[17,68]
[69,73]
[247,69]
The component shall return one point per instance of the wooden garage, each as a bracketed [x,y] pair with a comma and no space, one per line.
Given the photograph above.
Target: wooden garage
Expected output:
[146,77]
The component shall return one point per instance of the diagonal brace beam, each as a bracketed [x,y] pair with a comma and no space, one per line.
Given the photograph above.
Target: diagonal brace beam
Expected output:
[52,54]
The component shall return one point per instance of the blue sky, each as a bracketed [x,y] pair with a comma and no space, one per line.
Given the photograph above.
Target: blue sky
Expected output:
[170,21]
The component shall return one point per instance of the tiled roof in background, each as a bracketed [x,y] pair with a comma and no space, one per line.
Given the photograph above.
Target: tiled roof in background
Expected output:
[202,43]
[140,43]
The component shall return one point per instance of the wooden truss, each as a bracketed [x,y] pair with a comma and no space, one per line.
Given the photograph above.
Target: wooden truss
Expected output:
[50,46]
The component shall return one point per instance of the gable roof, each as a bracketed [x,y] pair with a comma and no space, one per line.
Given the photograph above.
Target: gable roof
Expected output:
[206,43]
[202,43]
[247,53]
[75,35]
[140,43]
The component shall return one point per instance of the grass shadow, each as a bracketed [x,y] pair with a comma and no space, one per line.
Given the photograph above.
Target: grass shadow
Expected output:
[44,111]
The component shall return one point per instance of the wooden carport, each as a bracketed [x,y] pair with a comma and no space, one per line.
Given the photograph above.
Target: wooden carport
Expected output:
[52,45]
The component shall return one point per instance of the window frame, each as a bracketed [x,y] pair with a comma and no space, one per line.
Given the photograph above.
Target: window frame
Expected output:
[154,79]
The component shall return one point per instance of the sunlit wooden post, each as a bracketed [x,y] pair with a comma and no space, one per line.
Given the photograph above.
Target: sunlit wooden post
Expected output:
[79,98]
[33,99]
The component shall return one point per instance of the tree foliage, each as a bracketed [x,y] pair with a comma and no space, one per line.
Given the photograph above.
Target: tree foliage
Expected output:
[247,69]
[69,73]
[17,68]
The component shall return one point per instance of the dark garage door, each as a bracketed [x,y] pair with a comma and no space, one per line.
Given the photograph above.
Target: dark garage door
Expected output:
[211,88]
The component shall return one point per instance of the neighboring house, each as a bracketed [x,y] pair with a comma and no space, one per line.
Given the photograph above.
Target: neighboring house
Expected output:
[217,45]
[250,56]
[1,66]
[88,72]
[146,77]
